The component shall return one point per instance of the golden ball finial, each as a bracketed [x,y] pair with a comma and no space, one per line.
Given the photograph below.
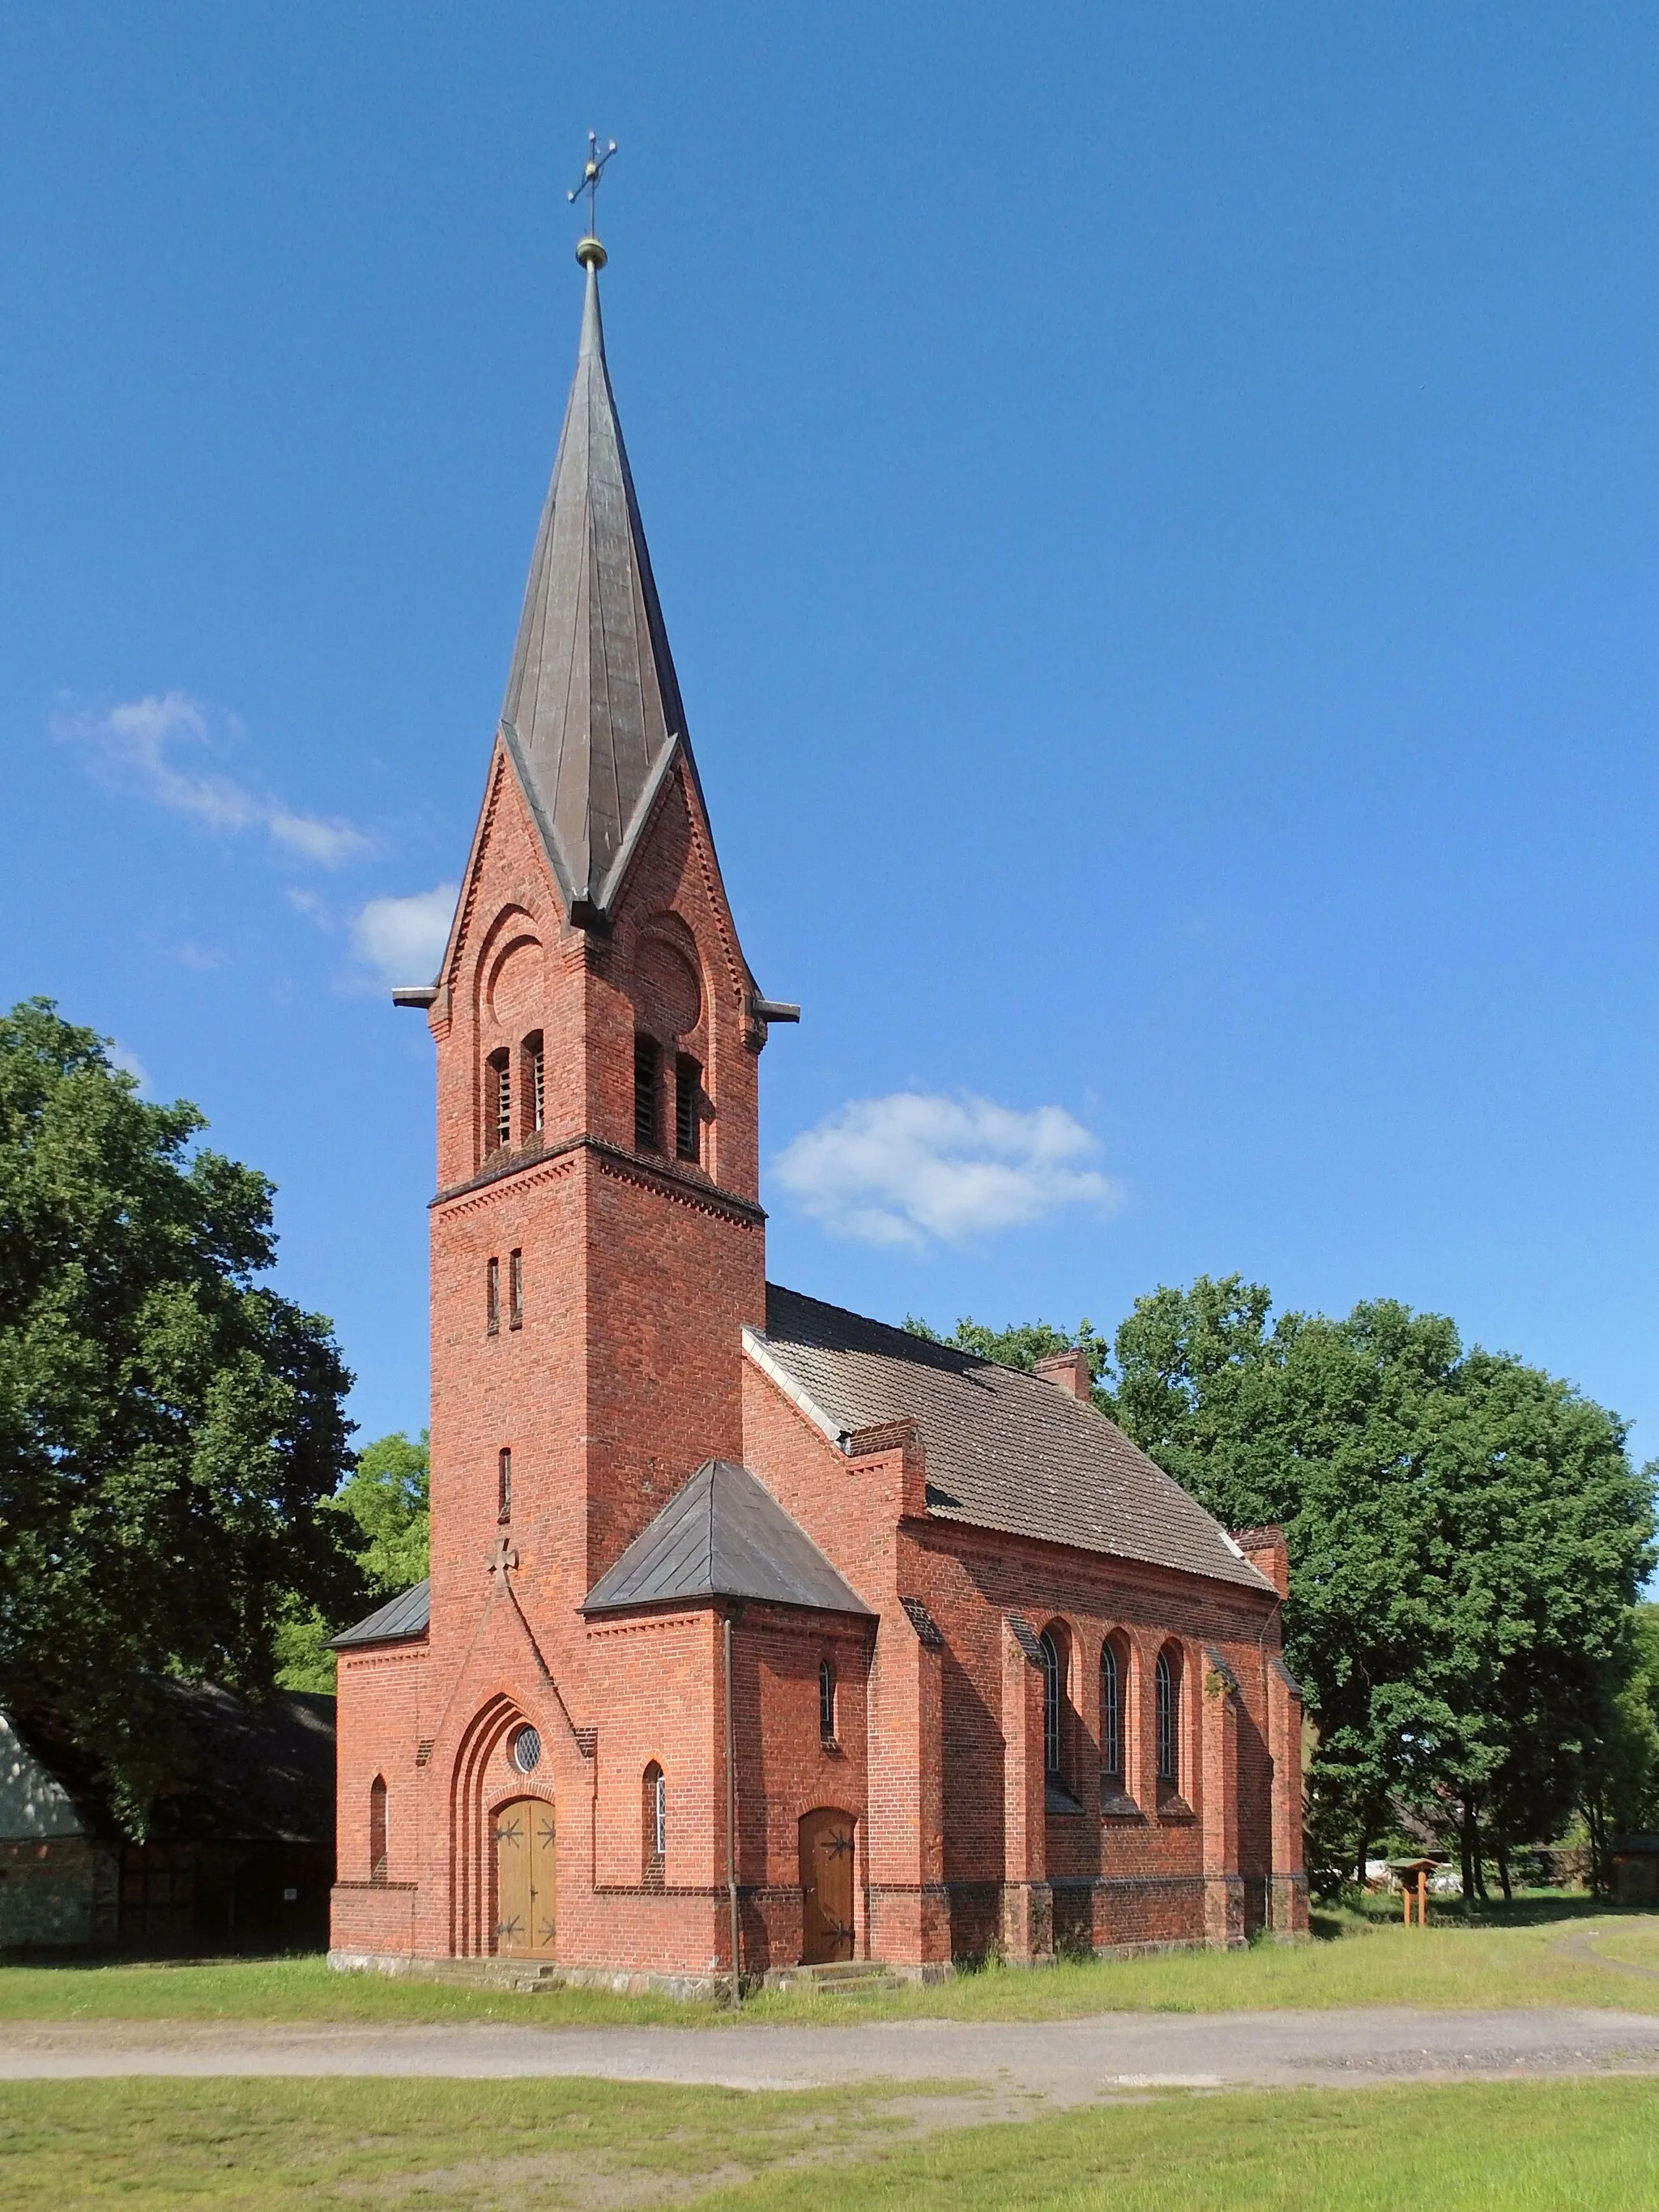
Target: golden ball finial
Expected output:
[590,253]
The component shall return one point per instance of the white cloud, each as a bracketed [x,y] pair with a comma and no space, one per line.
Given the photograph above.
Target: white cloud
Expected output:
[912,1167]
[158,743]
[204,958]
[128,1062]
[405,938]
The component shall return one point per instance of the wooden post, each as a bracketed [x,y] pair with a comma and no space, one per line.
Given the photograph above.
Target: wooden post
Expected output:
[1422,1897]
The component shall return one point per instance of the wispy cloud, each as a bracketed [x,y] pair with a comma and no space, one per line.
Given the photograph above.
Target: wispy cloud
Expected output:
[165,745]
[913,1167]
[204,958]
[403,940]
[128,1062]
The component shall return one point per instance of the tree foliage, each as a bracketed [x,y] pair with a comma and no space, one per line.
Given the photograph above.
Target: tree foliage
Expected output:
[1023,1344]
[383,1518]
[1467,1537]
[170,1428]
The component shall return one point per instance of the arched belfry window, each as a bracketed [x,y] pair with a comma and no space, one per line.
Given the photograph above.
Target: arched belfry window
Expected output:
[377,1832]
[498,1101]
[1167,1686]
[1053,1690]
[688,1108]
[535,1085]
[1111,1714]
[648,1111]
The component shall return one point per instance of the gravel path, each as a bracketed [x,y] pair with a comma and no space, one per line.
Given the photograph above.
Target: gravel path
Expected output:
[1060,2062]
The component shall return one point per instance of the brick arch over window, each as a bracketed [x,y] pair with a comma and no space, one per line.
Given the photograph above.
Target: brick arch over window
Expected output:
[513,984]
[478,1782]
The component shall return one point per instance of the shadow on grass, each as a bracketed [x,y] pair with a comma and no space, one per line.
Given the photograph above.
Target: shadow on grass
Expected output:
[1533,1909]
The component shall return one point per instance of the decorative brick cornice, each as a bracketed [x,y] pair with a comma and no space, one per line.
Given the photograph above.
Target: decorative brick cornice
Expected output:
[628,1167]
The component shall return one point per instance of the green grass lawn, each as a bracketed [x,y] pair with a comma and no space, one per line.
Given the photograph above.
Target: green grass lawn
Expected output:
[145,2145]
[1519,1959]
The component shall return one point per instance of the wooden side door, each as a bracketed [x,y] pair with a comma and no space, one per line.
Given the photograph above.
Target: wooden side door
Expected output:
[525,1889]
[826,1885]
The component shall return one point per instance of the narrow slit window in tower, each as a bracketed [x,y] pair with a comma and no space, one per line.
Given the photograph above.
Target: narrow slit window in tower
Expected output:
[516,1290]
[504,1484]
[493,1297]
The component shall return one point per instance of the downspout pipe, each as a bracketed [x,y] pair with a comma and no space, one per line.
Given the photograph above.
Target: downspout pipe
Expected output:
[731,1819]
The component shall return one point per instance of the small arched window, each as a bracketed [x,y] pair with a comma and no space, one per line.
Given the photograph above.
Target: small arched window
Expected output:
[377,1842]
[516,1290]
[1166,1682]
[535,1089]
[1053,1683]
[1111,1714]
[498,1100]
[492,1298]
[504,1484]
[827,1701]
[654,1814]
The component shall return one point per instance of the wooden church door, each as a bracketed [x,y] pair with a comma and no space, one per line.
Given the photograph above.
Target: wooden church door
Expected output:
[525,1891]
[826,1884]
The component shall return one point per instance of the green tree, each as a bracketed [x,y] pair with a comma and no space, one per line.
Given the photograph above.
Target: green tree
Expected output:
[1023,1344]
[170,1428]
[1466,1536]
[382,1510]
[1620,1788]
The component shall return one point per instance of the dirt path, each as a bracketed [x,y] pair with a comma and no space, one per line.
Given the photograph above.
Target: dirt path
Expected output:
[1052,2061]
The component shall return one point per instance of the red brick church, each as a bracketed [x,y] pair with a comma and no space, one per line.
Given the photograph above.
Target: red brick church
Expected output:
[750,1621]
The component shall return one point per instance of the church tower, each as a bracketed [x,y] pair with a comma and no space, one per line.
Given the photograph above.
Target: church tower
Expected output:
[597,1246]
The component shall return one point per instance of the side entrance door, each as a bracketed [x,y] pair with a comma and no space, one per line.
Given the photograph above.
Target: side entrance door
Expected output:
[826,1885]
[525,1895]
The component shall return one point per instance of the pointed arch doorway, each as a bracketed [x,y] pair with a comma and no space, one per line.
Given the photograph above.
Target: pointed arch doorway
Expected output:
[526,1888]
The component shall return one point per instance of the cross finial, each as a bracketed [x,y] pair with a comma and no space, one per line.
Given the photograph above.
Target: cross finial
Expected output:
[589,252]
[503,1557]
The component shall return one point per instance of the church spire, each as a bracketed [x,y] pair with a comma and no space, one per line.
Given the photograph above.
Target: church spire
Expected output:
[592,717]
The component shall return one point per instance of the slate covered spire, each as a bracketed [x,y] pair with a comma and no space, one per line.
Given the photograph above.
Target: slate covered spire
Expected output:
[592,715]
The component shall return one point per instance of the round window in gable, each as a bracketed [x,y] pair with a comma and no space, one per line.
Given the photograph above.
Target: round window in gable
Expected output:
[526,1750]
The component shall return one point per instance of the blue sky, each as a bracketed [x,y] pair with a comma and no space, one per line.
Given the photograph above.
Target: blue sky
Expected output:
[1155,513]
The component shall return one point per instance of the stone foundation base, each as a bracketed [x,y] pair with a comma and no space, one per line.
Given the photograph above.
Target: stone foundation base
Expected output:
[525,1976]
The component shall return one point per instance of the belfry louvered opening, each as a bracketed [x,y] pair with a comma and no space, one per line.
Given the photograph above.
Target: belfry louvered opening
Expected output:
[647,1073]
[688,1108]
[498,1101]
[535,1085]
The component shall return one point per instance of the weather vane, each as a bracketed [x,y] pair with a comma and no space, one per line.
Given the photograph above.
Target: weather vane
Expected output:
[588,249]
